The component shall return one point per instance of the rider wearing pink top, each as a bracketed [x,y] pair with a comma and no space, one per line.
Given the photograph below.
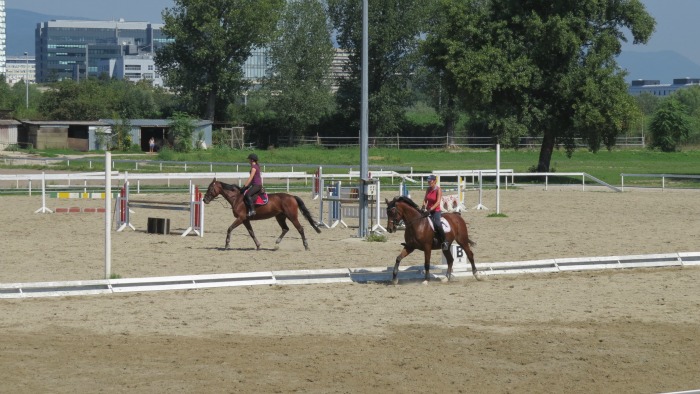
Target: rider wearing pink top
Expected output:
[433,200]
[253,185]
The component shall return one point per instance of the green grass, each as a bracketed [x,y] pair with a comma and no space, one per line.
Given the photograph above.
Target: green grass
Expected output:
[605,165]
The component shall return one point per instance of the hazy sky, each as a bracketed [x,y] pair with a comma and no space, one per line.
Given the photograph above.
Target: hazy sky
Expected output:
[130,10]
[677,25]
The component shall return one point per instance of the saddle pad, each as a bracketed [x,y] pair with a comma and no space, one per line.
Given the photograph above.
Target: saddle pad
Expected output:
[445,225]
[261,199]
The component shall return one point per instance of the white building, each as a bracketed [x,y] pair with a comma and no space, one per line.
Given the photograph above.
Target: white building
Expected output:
[3,37]
[19,68]
[656,88]
[132,68]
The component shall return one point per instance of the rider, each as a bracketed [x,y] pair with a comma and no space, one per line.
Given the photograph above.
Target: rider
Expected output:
[433,200]
[253,184]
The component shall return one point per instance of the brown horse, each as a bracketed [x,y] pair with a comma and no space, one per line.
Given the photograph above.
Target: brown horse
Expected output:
[419,235]
[281,206]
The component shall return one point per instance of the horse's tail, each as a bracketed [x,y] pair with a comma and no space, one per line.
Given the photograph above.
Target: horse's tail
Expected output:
[307,214]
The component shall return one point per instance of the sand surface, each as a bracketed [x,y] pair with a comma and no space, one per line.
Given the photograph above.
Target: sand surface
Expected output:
[634,330]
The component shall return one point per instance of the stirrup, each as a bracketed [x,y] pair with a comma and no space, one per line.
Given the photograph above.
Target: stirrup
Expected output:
[445,246]
[251,212]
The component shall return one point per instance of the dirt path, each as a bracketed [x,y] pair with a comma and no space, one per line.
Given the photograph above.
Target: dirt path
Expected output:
[601,331]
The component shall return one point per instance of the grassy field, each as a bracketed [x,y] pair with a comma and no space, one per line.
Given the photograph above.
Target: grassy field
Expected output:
[604,165]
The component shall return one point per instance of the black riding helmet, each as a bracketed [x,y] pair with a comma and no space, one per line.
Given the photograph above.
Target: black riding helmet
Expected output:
[253,156]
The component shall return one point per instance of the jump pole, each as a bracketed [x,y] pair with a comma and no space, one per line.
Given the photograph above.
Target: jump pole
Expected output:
[108,217]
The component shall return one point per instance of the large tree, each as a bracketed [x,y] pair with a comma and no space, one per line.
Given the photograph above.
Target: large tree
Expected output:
[301,63]
[211,39]
[394,32]
[540,67]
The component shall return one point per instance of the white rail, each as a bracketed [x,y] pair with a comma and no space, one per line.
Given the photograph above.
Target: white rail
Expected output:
[338,275]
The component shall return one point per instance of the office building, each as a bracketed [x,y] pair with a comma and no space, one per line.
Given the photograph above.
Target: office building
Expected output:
[75,49]
[19,68]
[656,88]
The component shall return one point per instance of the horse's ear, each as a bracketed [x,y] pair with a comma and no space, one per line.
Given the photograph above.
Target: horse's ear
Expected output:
[387,200]
[214,179]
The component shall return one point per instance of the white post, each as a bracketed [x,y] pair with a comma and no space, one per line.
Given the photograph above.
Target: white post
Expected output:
[498,178]
[108,216]
[43,208]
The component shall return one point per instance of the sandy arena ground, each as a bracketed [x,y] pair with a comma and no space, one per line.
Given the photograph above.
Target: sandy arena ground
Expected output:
[633,331]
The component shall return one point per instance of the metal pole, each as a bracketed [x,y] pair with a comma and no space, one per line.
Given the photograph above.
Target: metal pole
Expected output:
[364,122]
[26,76]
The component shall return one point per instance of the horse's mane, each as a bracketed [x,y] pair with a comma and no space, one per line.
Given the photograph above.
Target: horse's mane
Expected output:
[407,201]
[228,186]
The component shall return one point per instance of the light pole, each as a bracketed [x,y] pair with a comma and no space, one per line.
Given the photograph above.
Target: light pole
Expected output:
[26,75]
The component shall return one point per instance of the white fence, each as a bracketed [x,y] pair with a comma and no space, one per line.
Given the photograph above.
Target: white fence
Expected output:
[342,275]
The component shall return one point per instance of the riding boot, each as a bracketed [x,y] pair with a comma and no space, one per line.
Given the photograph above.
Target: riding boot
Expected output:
[249,205]
[440,235]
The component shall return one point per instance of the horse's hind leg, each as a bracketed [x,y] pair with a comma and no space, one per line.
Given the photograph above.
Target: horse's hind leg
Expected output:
[247,225]
[466,246]
[282,220]
[450,260]
[300,229]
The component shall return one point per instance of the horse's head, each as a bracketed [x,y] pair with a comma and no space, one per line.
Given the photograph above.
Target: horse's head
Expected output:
[392,215]
[213,191]
[397,211]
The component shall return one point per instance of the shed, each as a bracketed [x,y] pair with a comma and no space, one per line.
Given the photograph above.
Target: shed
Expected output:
[143,129]
[8,133]
[71,134]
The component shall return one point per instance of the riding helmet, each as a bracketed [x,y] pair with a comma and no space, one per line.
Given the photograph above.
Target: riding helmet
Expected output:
[253,156]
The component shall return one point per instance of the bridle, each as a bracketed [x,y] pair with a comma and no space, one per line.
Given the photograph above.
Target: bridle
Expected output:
[393,214]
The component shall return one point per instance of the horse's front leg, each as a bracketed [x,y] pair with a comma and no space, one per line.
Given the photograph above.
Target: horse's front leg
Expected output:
[235,224]
[395,276]
[247,225]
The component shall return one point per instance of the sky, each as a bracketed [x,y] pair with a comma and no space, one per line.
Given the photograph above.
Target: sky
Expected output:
[677,27]
[129,10]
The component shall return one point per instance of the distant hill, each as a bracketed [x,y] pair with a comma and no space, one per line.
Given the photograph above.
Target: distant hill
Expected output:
[662,65]
[21,26]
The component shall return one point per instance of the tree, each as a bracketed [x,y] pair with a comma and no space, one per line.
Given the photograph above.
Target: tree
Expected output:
[182,126]
[211,39]
[301,62]
[670,125]
[394,32]
[540,67]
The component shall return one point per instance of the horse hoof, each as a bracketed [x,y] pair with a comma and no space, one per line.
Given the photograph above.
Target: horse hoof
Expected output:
[444,280]
[477,276]
[425,282]
[395,281]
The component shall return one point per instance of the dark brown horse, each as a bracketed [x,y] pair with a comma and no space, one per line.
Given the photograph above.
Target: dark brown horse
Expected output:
[281,206]
[419,235]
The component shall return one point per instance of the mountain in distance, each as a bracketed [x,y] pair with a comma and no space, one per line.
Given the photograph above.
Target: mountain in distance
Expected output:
[21,27]
[664,66]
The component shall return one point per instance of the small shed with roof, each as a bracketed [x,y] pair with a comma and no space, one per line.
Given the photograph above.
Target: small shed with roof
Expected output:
[160,129]
[8,133]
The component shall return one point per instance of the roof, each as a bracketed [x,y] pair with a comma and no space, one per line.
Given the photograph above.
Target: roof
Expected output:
[155,122]
[9,122]
[64,122]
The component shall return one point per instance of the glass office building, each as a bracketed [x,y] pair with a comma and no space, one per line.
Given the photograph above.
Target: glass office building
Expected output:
[75,49]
